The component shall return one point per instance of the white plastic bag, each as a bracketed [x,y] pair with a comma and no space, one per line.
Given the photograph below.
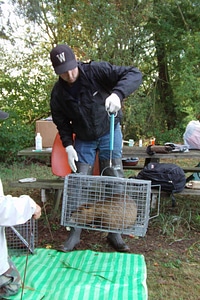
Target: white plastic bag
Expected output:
[192,184]
[192,135]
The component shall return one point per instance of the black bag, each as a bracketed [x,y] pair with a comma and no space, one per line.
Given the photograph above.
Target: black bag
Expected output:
[169,176]
[152,149]
[167,148]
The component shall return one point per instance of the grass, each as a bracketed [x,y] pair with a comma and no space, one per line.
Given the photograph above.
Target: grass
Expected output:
[173,266]
[23,170]
[174,273]
[173,277]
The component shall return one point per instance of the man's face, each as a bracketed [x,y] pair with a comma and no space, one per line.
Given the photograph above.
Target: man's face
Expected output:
[70,76]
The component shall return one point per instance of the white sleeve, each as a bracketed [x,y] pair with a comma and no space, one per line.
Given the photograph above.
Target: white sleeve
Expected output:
[16,210]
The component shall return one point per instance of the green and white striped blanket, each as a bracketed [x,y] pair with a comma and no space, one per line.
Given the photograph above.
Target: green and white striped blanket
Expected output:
[82,275]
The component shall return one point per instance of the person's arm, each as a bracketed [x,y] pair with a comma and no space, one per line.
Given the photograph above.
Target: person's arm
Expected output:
[37,213]
[120,80]
[17,210]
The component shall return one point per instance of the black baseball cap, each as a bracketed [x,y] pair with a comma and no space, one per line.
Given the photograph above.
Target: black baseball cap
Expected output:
[3,115]
[63,59]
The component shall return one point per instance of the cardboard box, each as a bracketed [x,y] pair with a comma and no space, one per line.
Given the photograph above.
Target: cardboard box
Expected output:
[48,131]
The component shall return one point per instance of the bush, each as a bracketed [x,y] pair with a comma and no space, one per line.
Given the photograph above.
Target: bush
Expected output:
[14,136]
[173,135]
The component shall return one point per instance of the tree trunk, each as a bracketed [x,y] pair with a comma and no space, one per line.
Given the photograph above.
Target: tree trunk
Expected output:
[165,93]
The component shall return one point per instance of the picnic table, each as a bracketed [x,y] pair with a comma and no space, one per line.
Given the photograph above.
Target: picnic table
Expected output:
[141,153]
[128,152]
[134,151]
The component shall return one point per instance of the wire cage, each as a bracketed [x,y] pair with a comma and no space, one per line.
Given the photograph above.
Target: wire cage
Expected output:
[106,203]
[22,238]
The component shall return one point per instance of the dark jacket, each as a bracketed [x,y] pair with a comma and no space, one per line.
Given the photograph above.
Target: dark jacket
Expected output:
[86,115]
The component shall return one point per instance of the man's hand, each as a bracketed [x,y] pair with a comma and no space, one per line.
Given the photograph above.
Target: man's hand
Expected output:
[113,103]
[37,213]
[72,157]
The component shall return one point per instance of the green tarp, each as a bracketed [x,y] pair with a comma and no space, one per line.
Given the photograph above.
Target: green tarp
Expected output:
[82,275]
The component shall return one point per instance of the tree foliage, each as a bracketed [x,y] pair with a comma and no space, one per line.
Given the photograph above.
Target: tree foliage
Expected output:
[160,37]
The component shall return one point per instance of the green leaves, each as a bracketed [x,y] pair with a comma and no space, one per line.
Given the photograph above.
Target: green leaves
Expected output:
[161,38]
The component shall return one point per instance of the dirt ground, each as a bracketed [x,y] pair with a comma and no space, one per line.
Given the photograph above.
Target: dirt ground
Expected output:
[51,235]
[97,241]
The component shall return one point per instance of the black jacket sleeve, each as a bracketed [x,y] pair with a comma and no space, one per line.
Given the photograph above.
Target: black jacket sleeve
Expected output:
[59,118]
[122,80]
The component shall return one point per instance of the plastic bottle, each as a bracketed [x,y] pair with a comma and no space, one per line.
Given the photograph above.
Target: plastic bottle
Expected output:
[43,195]
[140,142]
[38,142]
[131,142]
[152,141]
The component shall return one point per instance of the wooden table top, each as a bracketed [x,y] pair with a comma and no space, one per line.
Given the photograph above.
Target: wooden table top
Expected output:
[134,151]
[32,152]
[140,152]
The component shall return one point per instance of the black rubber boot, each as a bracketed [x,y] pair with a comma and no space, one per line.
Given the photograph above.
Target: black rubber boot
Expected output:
[72,241]
[74,237]
[116,168]
[84,169]
[116,241]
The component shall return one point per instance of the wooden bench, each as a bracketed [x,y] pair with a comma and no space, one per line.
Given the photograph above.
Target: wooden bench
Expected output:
[185,169]
[186,191]
[57,185]
[137,167]
[191,192]
[43,185]
[40,184]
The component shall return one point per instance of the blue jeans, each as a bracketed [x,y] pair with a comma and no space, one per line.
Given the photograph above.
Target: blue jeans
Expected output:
[86,150]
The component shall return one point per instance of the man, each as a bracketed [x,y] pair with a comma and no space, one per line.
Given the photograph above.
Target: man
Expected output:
[13,211]
[81,101]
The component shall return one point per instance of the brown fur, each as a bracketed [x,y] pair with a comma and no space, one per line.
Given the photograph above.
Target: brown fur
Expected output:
[117,212]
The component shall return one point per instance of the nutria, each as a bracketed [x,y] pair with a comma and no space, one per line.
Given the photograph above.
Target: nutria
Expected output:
[116,212]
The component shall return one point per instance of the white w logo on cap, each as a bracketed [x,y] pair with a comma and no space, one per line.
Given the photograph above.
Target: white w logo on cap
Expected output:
[61,57]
